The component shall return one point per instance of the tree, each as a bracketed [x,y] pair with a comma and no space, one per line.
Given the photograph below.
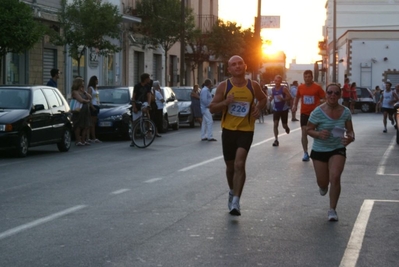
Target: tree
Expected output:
[88,24]
[162,24]
[226,40]
[199,52]
[19,30]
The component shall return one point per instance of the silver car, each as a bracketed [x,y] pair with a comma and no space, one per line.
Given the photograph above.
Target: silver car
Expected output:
[170,109]
[183,95]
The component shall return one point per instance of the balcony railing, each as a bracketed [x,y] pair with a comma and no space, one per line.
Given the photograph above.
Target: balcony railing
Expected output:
[206,22]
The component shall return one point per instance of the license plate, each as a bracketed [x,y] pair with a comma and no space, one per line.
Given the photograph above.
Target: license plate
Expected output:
[105,124]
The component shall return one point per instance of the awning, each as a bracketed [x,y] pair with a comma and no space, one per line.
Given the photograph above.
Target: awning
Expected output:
[133,19]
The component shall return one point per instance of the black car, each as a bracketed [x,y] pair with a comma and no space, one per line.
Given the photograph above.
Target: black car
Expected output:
[114,108]
[365,100]
[33,116]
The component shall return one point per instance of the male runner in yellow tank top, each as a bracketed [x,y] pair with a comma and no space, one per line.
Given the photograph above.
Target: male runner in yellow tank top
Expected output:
[235,97]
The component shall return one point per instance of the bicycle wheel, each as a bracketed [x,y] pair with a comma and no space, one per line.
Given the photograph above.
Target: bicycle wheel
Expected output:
[143,133]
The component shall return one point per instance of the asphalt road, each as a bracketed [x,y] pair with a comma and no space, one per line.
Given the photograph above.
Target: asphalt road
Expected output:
[166,205]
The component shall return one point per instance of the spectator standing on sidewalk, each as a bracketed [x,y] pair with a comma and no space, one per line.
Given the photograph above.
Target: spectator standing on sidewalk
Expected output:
[158,112]
[195,104]
[293,91]
[311,95]
[353,98]
[55,75]
[235,97]
[377,96]
[207,120]
[346,93]
[94,108]
[330,124]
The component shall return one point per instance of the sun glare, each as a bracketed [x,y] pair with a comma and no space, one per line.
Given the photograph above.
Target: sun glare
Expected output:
[269,50]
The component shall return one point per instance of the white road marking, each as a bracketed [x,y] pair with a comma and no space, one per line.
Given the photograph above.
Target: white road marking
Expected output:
[356,239]
[38,222]
[200,164]
[220,157]
[382,164]
[117,192]
[152,180]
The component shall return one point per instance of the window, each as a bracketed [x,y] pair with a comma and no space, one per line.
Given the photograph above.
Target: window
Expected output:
[78,71]
[15,69]
[108,70]
[39,99]
[51,98]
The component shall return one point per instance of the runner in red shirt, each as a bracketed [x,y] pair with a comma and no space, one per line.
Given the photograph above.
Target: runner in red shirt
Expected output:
[311,95]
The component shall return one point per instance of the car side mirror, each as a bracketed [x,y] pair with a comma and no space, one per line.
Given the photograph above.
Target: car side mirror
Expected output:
[37,107]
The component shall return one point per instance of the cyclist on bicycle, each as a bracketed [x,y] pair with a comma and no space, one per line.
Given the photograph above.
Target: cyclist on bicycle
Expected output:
[141,97]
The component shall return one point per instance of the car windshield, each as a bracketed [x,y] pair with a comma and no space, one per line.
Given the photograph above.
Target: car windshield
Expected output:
[116,96]
[182,94]
[14,98]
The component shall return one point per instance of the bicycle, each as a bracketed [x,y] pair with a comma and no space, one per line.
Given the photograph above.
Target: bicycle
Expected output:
[143,130]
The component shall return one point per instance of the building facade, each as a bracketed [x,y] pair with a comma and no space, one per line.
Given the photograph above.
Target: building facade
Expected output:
[367,41]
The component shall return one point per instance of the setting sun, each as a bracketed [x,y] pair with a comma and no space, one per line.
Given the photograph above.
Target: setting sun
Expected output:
[300,25]
[269,49]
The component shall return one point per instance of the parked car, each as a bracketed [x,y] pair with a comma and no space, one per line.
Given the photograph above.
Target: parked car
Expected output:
[183,95]
[114,103]
[33,116]
[170,110]
[365,100]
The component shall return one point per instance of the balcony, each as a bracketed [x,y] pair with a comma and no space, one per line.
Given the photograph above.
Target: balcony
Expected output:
[205,22]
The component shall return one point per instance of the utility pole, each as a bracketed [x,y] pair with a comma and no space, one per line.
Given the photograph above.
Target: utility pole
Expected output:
[334,57]
[182,45]
[257,35]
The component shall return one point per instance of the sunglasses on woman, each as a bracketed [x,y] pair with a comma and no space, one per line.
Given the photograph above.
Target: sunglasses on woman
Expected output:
[333,92]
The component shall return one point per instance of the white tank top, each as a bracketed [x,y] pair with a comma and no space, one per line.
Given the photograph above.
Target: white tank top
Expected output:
[388,97]
[95,97]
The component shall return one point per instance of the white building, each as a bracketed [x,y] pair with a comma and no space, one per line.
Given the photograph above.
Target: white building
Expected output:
[367,41]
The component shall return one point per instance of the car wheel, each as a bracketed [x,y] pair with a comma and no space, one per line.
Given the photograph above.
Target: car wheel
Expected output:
[22,146]
[365,107]
[65,144]
[165,124]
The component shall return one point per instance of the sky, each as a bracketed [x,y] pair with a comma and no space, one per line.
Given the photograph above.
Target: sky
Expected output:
[301,23]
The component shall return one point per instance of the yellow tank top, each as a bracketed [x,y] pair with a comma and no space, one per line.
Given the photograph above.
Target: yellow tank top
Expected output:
[237,116]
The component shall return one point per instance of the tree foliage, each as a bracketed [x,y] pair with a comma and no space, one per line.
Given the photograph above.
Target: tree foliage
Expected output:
[162,24]
[19,31]
[271,72]
[198,50]
[88,24]
[226,40]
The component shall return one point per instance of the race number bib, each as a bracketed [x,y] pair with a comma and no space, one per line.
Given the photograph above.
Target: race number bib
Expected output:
[308,100]
[239,109]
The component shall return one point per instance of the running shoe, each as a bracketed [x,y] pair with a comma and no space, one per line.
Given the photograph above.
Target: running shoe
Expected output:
[230,203]
[324,191]
[385,130]
[332,215]
[275,143]
[305,156]
[287,130]
[235,209]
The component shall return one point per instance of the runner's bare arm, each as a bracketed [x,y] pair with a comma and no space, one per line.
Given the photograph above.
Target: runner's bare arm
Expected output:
[219,103]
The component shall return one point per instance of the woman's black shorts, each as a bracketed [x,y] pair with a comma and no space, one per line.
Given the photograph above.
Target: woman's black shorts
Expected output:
[325,156]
